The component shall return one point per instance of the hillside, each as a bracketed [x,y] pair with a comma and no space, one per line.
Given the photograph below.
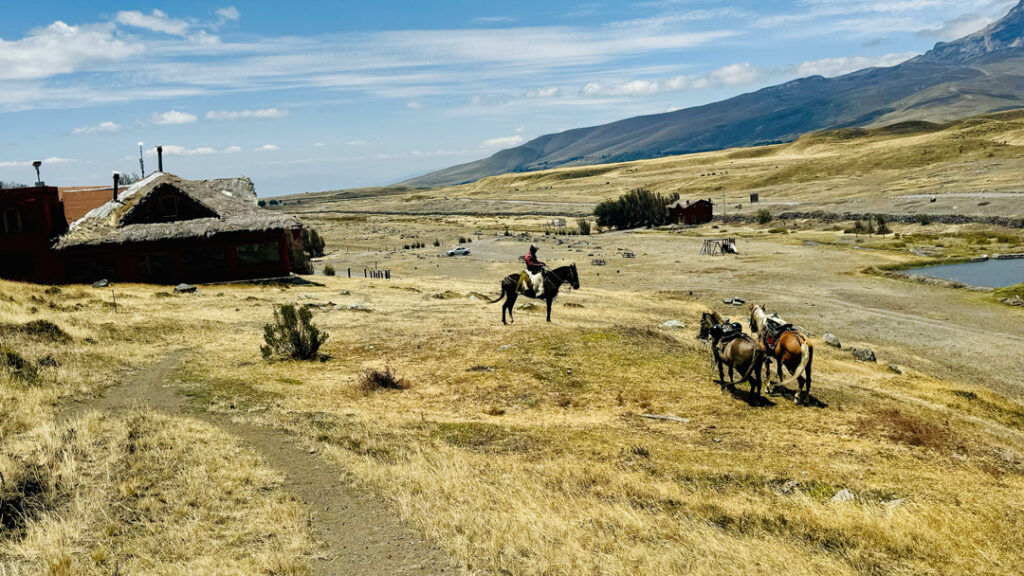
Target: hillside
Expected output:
[980,73]
[969,168]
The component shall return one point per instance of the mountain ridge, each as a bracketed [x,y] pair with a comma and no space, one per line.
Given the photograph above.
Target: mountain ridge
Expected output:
[980,73]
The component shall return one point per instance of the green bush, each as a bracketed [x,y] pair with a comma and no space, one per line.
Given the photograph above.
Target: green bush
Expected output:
[584,226]
[312,243]
[924,219]
[329,270]
[292,335]
[763,216]
[635,209]
[883,226]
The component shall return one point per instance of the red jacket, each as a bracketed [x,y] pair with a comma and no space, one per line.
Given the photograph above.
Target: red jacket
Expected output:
[532,263]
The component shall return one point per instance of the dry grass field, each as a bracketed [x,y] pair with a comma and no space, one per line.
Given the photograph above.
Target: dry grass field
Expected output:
[523,449]
[127,432]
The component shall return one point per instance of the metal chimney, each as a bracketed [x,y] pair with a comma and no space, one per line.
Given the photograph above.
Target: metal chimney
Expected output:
[117,182]
[39,180]
[160,158]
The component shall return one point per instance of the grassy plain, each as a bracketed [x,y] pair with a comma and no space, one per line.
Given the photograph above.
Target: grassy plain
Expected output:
[524,449]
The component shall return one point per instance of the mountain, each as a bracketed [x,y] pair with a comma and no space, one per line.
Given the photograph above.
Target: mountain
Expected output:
[977,74]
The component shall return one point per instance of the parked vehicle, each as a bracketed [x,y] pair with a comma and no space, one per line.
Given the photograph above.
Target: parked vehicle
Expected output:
[458,251]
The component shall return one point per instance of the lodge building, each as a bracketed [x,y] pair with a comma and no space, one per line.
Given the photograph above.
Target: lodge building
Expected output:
[162,229]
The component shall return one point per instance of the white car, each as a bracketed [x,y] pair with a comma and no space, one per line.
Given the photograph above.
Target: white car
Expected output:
[458,251]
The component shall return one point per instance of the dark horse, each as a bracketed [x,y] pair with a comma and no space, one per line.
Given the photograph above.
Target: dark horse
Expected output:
[788,346]
[553,280]
[738,351]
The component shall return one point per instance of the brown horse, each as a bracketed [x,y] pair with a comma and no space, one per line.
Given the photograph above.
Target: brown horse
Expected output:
[791,348]
[739,353]
[553,280]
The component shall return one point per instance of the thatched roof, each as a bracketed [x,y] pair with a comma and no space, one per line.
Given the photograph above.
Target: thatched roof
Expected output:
[233,200]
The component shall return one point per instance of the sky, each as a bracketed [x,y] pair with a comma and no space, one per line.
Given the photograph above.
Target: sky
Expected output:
[309,96]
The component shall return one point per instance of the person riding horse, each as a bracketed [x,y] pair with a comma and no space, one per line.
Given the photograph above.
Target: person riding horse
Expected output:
[533,277]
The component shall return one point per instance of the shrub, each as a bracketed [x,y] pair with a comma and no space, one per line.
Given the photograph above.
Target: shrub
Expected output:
[883,226]
[329,270]
[507,231]
[924,219]
[38,329]
[437,242]
[584,226]
[635,209]
[17,365]
[292,334]
[763,216]
[376,379]
[312,243]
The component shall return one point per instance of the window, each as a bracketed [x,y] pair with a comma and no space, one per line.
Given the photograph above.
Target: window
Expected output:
[168,207]
[203,260]
[156,265]
[11,221]
[254,254]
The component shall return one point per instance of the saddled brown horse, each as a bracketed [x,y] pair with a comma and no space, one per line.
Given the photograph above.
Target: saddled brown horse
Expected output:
[741,353]
[791,348]
[553,280]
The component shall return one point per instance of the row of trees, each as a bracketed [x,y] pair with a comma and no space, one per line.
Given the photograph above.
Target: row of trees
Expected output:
[635,209]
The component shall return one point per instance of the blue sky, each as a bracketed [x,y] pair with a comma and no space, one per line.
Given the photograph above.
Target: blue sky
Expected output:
[304,96]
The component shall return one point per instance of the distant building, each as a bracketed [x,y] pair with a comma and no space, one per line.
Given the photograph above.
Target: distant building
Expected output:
[79,200]
[162,229]
[691,213]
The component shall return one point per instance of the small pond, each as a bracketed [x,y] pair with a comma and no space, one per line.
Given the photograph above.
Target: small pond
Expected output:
[989,274]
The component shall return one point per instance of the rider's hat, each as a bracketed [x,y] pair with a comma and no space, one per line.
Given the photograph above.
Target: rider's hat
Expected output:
[533,247]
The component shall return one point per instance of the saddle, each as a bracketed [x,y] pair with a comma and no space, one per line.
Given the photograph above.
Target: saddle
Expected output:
[726,332]
[773,330]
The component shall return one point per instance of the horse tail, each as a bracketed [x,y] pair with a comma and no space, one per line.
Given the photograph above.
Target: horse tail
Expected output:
[805,357]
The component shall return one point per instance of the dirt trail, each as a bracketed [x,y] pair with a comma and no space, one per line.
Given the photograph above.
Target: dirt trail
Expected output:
[358,533]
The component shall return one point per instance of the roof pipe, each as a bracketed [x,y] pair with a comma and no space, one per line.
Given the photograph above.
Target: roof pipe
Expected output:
[117,183]
[160,158]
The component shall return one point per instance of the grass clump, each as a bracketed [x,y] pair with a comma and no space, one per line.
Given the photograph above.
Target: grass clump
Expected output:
[584,226]
[39,330]
[763,216]
[329,270]
[292,335]
[17,365]
[378,379]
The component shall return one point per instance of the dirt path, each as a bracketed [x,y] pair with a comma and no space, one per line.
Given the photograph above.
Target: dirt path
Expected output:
[358,533]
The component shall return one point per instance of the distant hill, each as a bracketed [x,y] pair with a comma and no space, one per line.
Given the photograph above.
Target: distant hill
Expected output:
[977,74]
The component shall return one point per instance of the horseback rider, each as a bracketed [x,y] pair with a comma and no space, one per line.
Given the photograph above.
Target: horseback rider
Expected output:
[533,276]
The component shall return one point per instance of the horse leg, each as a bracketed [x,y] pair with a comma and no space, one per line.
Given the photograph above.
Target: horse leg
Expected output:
[549,309]
[510,303]
[721,375]
[732,381]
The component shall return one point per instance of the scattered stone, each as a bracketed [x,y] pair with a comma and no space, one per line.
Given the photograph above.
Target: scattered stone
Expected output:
[184,288]
[738,301]
[832,340]
[894,503]
[568,372]
[895,369]
[101,283]
[480,369]
[573,305]
[306,296]
[505,347]
[346,293]
[789,486]
[672,325]
[359,307]
[863,354]
[1015,301]
[843,495]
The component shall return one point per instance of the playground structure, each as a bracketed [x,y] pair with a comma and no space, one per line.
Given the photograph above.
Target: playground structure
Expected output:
[718,247]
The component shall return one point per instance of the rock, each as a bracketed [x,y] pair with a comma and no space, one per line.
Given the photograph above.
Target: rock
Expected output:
[843,495]
[184,288]
[863,354]
[505,347]
[672,325]
[895,369]
[101,283]
[832,340]
[738,301]
[788,487]
[359,307]
[894,503]
[727,301]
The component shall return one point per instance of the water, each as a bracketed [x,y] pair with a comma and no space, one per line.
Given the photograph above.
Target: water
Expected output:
[989,274]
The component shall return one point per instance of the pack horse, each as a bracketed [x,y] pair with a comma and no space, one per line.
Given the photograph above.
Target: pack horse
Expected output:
[788,346]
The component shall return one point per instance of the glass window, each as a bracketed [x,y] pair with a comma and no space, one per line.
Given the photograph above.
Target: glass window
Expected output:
[11,221]
[154,265]
[262,253]
[203,260]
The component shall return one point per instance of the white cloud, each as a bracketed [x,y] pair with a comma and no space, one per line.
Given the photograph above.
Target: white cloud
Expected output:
[156,21]
[957,28]
[414,105]
[740,74]
[175,150]
[101,128]
[830,67]
[357,142]
[62,49]
[244,114]
[267,148]
[551,92]
[228,14]
[735,75]
[318,144]
[505,141]
[174,117]
[50,160]
[232,149]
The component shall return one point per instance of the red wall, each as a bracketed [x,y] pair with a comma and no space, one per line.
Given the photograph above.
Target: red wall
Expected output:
[26,255]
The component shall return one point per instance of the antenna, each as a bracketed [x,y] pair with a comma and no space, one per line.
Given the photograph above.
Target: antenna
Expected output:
[142,165]
[36,165]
